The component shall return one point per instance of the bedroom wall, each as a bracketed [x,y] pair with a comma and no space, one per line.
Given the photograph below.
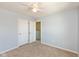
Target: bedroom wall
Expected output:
[8,29]
[60,29]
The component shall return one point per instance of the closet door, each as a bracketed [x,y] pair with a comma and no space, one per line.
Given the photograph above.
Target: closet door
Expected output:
[32,32]
[22,32]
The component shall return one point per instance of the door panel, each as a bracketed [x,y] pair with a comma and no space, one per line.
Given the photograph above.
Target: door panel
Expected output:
[22,32]
[32,31]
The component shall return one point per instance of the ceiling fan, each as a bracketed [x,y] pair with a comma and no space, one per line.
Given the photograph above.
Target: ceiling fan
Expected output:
[33,6]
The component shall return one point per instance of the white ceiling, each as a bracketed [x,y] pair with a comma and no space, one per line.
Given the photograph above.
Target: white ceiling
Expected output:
[46,7]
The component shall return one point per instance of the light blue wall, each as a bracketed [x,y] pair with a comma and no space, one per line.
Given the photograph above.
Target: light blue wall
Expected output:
[8,29]
[60,29]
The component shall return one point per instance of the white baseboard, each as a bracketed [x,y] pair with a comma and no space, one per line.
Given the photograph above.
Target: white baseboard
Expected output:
[61,48]
[45,44]
[21,44]
[8,50]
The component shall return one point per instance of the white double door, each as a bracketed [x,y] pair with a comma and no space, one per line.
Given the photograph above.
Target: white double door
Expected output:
[26,31]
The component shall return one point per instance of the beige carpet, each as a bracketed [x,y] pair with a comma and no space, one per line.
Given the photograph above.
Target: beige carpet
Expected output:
[37,49]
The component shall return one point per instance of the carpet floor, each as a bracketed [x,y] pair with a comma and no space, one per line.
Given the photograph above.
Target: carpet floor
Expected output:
[37,49]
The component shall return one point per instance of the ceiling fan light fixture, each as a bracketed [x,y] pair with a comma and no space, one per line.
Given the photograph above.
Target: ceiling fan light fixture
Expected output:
[34,9]
[35,5]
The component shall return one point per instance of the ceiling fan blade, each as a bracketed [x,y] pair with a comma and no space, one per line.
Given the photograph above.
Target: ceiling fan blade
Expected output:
[29,6]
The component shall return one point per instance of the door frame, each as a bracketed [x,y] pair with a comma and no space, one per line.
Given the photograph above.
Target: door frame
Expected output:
[40,30]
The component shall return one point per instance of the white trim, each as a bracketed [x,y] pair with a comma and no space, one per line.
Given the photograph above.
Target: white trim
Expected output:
[21,44]
[45,44]
[41,31]
[61,48]
[8,50]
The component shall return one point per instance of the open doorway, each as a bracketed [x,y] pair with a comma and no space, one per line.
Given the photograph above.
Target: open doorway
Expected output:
[38,31]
